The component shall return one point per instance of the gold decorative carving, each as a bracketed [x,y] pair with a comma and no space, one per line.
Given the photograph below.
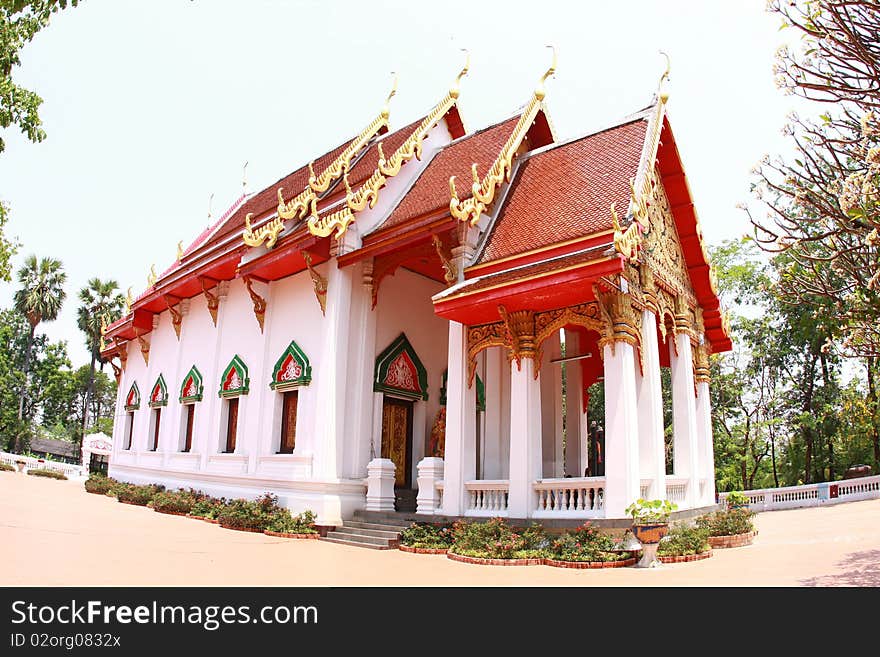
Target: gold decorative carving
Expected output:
[482,337]
[621,322]
[212,298]
[627,242]
[483,191]
[117,371]
[176,316]
[450,271]
[258,301]
[122,351]
[267,233]
[145,348]
[103,346]
[152,277]
[180,251]
[318,281]
[128,301]
[520,328]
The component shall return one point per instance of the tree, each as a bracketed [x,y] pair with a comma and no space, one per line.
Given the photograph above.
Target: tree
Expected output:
[824,203]
[39,299]
[20,20]
[99,300]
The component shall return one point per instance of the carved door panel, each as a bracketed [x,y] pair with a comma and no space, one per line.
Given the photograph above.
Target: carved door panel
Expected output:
[397,439]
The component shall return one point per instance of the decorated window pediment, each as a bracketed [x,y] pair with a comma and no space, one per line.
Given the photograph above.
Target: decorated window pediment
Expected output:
[399,371]
[481,392]
[234,381]
[292,369]
[191,389]
[159,393]
[133,398]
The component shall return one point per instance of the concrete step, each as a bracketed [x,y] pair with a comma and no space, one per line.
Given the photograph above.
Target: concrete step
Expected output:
[343,541]
[381,526]
[383,532]
[354,537]
[391,517]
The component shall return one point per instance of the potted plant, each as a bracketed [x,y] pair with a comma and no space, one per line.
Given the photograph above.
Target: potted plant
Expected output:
[650,519]
[737,500]
[20,463]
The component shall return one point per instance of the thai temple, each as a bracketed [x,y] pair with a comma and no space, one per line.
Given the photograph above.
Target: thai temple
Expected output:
[388,326]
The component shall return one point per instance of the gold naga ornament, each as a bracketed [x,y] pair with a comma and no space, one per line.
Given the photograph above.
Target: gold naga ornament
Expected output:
[152,277]
[483,191]
[367,194]
[129,299]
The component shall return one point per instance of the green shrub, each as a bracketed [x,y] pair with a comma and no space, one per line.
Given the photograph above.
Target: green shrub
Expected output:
[496,539]
[585,543]
[5,467]
[134,494]
[736,498]
[208,507]
[178,501]
[285,522]
[98,483]
[684,539]
[728,523]
[427,535]
[251,514]
[45,472]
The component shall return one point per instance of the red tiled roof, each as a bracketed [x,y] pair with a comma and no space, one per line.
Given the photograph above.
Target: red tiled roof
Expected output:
[431,190]
[566,191]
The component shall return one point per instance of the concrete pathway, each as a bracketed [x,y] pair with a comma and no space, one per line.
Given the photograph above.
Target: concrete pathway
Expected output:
[53,533]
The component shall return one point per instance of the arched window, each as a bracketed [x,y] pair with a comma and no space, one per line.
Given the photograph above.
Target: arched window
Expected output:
[132,403]
[158,399]
[191,391]
[292,370]
[233,384]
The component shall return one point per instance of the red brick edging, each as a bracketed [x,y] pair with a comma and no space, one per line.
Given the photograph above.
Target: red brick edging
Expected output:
[171,513]
[132,503]
[289,535]
[494,562]
[242,529]
[590,564]
[417,550]
[685,557]
[736,540]
[203,518]
[96,492]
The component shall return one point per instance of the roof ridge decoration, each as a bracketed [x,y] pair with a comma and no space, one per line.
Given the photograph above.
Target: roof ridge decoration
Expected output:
[483,191]
[304,203]
[628,242]
[368,193]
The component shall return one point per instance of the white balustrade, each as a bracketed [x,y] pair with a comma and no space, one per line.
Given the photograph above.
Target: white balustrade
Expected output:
[570,497]
[67,469]
[438,485]
[645,488]
[819,494]
[676,490]
[487,497]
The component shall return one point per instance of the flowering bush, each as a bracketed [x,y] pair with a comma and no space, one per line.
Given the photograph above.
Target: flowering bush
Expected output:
[262,513]
[684,539]
[586,543]
[98,483]
[430,535]
[285,522]
[496,539]
[727,523]
[178,501]
[134,494]
[208,507]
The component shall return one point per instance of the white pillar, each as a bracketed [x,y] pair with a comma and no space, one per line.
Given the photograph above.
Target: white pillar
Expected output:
[461,415]
[684,417]
[704,436]
[621,429]
[332,375]
[492,438]
[652,449]
[430,472]
[380,485]
[361,376]
[574,411]
[551,410]
[525,438]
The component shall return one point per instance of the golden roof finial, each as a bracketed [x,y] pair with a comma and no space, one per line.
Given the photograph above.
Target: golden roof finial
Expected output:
[467,64]
[385,109]
[539,91]
[152,277]
[180,251]
[244,178]
[210,198]
[128,301]
[661,93]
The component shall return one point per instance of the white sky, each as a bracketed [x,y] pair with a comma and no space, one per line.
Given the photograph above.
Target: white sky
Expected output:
[150,107]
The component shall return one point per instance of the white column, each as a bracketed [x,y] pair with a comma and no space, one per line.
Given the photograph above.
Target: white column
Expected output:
[574,411]
[493,436]
[652,449]
[684,417]
[704,436]
[525,437]
[551,410]
[332,374]
[621,429]
[461,404]
[361,376]
[430,472]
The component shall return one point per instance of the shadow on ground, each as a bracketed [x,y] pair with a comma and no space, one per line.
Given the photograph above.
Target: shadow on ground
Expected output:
[859,569]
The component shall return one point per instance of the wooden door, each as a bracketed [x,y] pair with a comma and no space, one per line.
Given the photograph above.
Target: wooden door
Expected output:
[190,416]
[397,439]
[231,424]
[156,429]
[288,422]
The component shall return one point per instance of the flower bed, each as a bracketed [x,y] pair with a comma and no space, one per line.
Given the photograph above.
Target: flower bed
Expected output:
[421,550]
[496,541]
[485,561]
[623,563]
[178,502]
[45,472]
[265,513]
[268,532]
[735,540]
[207,508]
[213,521]
[684,542]
[139,495]
[100,485]
[427,538]
[685,557]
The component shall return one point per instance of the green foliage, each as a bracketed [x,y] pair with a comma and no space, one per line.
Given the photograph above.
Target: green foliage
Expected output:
[98,483]
[178,501]
[5,467]
[428,535]
[8,247]
[135,494]
[649,512]
[208,507]
[684,539]
[252,514]
[285,522]
[727,523]
[495,539]
[585,543]
[43,472]
[737,498]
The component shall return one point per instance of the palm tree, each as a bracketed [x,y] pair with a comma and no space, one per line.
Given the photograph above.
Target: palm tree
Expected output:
[39,299]
[98,299]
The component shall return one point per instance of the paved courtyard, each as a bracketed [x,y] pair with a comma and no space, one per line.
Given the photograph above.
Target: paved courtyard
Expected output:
[54,533]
